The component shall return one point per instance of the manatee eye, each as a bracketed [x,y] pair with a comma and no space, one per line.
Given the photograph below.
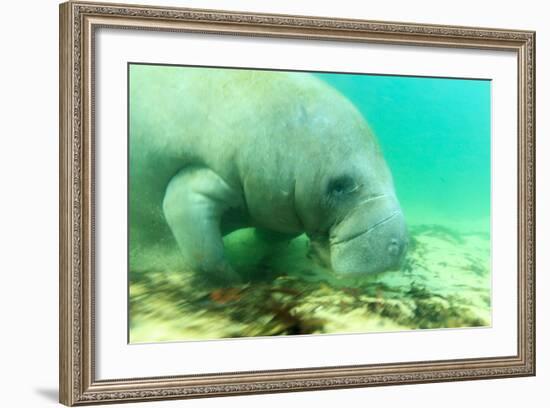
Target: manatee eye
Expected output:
[341,185]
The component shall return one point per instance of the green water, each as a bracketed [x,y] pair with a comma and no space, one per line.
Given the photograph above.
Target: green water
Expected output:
[435,137]
[435,134]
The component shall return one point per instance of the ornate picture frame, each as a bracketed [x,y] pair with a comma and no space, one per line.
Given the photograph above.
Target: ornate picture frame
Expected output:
[79,23]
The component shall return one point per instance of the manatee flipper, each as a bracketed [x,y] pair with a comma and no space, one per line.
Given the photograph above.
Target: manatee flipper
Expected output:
[194,202]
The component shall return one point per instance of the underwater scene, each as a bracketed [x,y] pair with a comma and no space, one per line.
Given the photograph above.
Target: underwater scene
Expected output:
[269,203]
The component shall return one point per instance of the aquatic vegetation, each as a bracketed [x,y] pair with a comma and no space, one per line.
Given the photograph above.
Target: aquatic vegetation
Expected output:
[443,283]
[439,231]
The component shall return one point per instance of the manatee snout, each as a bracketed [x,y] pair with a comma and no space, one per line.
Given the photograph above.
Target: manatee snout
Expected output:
[372,239]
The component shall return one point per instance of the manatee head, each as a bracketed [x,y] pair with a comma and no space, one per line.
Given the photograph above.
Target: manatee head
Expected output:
[367,232]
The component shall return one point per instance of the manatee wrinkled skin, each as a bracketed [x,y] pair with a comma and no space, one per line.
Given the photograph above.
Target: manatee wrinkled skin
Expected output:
[215,150]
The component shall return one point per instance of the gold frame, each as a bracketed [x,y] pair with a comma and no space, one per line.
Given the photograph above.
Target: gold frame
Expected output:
[78,21]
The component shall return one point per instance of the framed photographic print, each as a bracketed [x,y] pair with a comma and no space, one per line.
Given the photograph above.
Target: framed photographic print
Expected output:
[256,203]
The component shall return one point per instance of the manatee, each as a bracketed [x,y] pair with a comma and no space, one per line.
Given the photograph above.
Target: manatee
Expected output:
[215,150]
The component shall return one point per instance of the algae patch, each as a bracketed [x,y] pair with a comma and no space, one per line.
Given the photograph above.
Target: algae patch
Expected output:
[444,282]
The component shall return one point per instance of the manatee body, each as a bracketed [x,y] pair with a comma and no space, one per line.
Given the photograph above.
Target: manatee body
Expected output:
[215,150]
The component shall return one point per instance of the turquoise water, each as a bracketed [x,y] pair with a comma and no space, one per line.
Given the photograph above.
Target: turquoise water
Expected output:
[435,135]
